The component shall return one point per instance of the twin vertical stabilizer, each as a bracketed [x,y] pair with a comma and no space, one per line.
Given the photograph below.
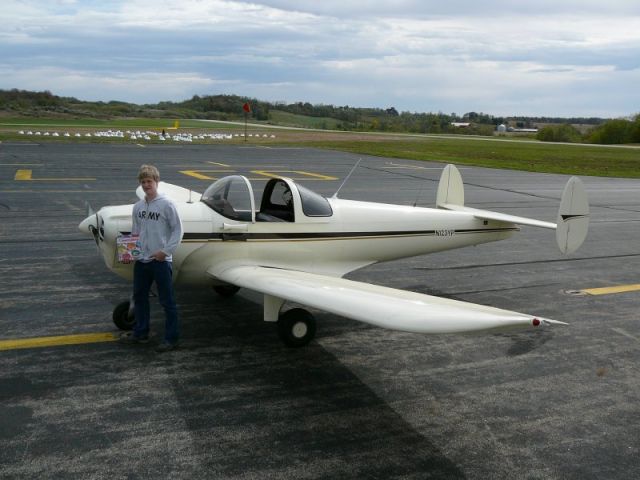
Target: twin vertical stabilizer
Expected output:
[573,215]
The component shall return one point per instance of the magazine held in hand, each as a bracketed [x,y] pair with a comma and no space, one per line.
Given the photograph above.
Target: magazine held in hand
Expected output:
[128,248]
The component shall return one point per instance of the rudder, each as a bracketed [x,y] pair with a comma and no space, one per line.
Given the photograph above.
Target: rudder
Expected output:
[450,188]
[573,217]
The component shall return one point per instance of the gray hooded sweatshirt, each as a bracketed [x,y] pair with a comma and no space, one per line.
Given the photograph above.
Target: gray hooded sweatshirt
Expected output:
[158,225]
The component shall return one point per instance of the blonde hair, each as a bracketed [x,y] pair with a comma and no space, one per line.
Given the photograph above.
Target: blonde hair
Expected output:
[148,171]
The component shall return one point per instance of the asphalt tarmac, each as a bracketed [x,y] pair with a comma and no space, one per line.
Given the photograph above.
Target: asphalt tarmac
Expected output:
[359,401]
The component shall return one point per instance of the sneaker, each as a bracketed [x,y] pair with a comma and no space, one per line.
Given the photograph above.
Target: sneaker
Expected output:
[130,339]
[166,347]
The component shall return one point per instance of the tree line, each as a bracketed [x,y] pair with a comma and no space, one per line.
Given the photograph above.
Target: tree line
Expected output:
[229,107]
[611,132]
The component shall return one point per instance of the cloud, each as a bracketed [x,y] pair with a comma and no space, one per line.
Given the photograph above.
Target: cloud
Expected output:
[499,57]
[86,85]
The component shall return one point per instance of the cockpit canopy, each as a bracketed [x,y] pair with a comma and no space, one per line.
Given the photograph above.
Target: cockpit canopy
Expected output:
[231,197]
[282,200]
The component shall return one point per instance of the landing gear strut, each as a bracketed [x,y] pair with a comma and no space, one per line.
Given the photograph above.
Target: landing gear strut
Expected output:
[296,327]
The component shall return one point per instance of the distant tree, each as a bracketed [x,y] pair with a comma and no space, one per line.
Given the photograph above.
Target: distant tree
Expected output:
[635,130]
[559,133]
[613,132]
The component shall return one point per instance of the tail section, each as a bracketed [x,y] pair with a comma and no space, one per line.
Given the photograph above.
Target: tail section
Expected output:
[573,217]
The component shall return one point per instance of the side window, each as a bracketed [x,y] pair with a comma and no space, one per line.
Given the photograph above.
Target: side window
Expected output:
[313,204]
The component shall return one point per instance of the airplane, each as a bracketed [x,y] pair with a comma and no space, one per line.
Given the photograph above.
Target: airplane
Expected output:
[296,246]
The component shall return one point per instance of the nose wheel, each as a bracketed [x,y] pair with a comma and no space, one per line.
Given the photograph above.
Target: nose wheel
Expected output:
[296,327]
[123,316]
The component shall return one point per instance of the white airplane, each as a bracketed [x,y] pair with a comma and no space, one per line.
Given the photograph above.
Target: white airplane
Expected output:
[295,246]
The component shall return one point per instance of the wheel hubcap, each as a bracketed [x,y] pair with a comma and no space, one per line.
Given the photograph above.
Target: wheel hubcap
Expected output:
[299,329]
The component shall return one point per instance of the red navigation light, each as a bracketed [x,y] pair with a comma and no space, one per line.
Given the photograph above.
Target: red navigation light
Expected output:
[536,322]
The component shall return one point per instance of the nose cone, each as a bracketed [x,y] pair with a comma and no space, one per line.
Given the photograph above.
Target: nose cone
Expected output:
[89,225]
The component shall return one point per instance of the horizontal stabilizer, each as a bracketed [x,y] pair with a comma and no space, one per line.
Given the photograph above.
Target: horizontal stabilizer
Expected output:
[450,196]
[500,217]
[174,192]
[381,306]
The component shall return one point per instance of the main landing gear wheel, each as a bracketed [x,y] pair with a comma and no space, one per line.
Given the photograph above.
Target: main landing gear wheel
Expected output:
[122,318]
[226,291]
[296,327]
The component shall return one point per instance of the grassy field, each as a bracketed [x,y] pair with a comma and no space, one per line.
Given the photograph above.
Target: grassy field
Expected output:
[532,156]
[494,152]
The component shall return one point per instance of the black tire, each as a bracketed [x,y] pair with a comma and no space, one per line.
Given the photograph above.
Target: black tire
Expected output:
[226,291]
[296,327]
[121,316]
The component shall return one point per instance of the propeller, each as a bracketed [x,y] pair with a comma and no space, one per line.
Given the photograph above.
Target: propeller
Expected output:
[93,224]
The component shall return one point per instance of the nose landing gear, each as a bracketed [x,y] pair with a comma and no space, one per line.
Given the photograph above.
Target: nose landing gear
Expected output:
[123,316]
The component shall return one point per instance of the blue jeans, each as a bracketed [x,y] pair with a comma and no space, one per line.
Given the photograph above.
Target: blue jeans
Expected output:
[144,274]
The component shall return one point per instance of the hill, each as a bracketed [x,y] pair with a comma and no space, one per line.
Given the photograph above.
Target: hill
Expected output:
[21,103]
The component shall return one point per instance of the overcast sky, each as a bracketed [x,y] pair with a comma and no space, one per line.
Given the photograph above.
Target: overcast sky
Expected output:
[542,57]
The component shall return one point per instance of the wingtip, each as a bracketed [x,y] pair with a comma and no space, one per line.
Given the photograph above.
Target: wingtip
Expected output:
[547,321]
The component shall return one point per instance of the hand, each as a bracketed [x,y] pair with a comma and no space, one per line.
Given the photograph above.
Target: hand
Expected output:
[160,256]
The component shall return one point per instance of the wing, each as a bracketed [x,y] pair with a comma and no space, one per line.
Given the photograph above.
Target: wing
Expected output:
[175,192]
[380,306]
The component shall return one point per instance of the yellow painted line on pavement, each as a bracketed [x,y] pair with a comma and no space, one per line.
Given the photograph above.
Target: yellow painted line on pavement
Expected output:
[305,175]
[264,174]
[40,342]
[23,175]
[219,164]
[611,290]
[200,174]
[27,175]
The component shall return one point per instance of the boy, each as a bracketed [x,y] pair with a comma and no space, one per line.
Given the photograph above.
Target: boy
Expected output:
[156,222]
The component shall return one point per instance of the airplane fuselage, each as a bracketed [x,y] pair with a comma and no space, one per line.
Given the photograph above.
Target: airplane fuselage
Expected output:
[356,235]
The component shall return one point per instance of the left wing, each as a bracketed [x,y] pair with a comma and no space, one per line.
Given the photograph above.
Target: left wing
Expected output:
[381,306]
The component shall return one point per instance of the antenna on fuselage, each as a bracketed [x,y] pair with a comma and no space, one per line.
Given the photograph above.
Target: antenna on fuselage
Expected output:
[335,195]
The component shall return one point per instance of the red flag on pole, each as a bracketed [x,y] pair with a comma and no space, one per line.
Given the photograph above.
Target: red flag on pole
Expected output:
[246,107]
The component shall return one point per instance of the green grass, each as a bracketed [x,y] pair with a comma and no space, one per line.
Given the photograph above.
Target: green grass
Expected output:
[484,151]
[518,155]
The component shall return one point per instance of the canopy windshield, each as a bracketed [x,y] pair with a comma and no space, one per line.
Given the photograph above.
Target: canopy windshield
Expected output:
[231,197]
